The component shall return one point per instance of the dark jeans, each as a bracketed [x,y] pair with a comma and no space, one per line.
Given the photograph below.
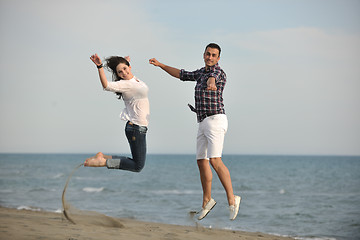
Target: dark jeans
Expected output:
[136,136]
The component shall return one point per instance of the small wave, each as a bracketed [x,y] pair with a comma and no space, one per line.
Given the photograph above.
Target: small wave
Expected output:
[28,208]
[91,190]
[228,228]
[82,178]
[60,175]
[42,190]
[315,238]
[6,191]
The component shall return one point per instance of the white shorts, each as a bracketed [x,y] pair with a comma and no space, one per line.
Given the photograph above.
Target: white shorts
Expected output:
[210,137]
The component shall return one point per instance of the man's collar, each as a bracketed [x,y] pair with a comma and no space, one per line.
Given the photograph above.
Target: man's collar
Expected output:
[211,68]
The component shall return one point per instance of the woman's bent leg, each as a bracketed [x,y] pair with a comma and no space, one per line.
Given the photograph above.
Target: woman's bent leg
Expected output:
[136,136]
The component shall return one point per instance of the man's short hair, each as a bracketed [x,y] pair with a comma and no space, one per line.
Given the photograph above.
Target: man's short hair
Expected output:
[214,45]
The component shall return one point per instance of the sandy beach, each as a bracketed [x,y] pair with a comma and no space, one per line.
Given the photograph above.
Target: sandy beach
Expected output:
[25,224]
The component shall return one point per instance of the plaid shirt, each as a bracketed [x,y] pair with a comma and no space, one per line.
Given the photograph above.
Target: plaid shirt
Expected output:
[207,102]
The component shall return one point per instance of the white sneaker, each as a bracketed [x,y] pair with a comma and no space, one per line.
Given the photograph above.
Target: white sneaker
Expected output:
[234,209]
[210,205]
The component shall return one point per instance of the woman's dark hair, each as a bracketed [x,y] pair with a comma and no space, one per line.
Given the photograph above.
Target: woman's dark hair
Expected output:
[111,64]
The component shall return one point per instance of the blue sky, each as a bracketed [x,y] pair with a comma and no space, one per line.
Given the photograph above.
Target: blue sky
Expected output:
[292,66]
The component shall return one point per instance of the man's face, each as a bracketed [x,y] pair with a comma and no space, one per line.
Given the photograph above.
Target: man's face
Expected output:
[211,56]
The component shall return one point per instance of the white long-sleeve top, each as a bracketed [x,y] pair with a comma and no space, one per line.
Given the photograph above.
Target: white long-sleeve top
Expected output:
[135,96]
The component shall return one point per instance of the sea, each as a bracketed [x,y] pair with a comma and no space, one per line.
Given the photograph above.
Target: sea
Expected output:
[305,197]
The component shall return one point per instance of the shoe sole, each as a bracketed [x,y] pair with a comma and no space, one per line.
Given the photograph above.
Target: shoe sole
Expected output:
[208,212]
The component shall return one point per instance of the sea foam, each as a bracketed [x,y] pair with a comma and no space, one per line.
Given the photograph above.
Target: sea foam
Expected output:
[91,190]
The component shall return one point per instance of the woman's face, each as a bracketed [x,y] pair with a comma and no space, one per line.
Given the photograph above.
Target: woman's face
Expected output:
[124,71]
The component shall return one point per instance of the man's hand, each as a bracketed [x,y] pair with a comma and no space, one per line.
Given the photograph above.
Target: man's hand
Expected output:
[211,84]
[154,62]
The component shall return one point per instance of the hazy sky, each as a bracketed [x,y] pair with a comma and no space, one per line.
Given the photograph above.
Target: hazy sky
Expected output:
[293,71]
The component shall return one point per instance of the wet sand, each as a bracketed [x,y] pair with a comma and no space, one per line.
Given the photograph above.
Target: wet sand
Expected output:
[25,224]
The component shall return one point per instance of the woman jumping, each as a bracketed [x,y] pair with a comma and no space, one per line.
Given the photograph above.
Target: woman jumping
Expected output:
[134,92]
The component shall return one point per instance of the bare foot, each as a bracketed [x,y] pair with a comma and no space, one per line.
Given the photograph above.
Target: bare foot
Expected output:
[97,161]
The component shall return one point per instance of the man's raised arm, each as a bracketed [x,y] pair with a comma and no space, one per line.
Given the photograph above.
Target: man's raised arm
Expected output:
[170,70]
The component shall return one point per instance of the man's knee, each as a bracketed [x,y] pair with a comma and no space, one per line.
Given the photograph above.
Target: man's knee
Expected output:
[202,163]
[216,163]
